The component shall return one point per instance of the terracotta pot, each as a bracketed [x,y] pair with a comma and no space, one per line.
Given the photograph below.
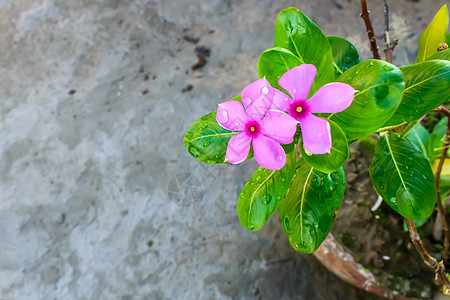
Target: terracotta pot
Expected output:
[342,264]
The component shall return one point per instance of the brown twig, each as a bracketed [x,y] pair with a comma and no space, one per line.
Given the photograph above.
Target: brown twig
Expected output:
[369,29]
[437,177]
[387,41]
[430,261]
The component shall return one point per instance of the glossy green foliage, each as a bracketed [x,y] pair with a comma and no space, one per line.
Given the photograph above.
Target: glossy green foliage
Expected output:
[427,86]
[369,144]
[207,141]
[273,63]
[297,33]
[420,137]
[430,144]
[264,191]
[433,35]
[402,175]
[333,160]
[345,55]
[379,88]
[435,143]
[308,210]
[443,55]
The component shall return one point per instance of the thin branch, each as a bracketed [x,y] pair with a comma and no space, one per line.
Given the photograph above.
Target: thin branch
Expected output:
[430,261]
[369,29]
[437,177]
[387,41]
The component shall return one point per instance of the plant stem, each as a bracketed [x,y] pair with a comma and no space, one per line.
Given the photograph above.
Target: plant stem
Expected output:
[389,128]
[409,127]
[387,41]
[369,29]
[429,260]
[437,177]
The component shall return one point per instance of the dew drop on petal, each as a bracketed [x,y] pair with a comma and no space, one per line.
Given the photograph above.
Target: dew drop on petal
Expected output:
[247,101]
[294,91]
[279,157]
[265,90]
[223,116]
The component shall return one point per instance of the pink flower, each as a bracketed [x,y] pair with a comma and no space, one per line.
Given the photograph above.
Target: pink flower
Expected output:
[330,98]
[265,129]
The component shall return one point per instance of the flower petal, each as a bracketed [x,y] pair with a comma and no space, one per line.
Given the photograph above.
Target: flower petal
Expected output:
[281,101]
[316,134]
[231,115]
[238,148]
[298,81]
[279,126]
[257,98]
[331,98]
[268,153]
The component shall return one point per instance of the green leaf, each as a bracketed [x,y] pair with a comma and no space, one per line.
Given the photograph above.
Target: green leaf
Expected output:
[436,142]
[434,147]
[273,63]
[264,191]
[333,160]
[420,137]
[444,55]
[433,35]
[207,141]
[307,212]
[447,38]
[441,127]
[379,88]
[368,143]
[427,86]
[345,55]
[297,33]
[402,175]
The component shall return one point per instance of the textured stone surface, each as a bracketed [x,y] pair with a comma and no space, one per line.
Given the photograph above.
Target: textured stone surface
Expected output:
[92,118]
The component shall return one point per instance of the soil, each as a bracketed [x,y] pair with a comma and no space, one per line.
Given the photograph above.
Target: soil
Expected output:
[378,239]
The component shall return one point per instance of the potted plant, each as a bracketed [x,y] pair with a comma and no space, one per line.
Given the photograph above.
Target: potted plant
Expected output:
[314,98]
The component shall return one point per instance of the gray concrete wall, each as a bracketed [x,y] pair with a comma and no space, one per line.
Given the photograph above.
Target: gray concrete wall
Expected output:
[95,99]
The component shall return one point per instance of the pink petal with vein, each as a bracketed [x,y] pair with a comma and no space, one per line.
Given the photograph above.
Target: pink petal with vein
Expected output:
[257,98]
[298,81]
[268,153]
[231,115]
[331,98]
[238,148]
[316,134]
[281,101]
[279,126]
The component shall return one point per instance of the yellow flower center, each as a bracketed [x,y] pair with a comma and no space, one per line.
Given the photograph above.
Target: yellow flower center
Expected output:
[299,109]
[252,129]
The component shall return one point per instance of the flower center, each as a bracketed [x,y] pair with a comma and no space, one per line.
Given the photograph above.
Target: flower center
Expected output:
[298,109]
[252,128]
